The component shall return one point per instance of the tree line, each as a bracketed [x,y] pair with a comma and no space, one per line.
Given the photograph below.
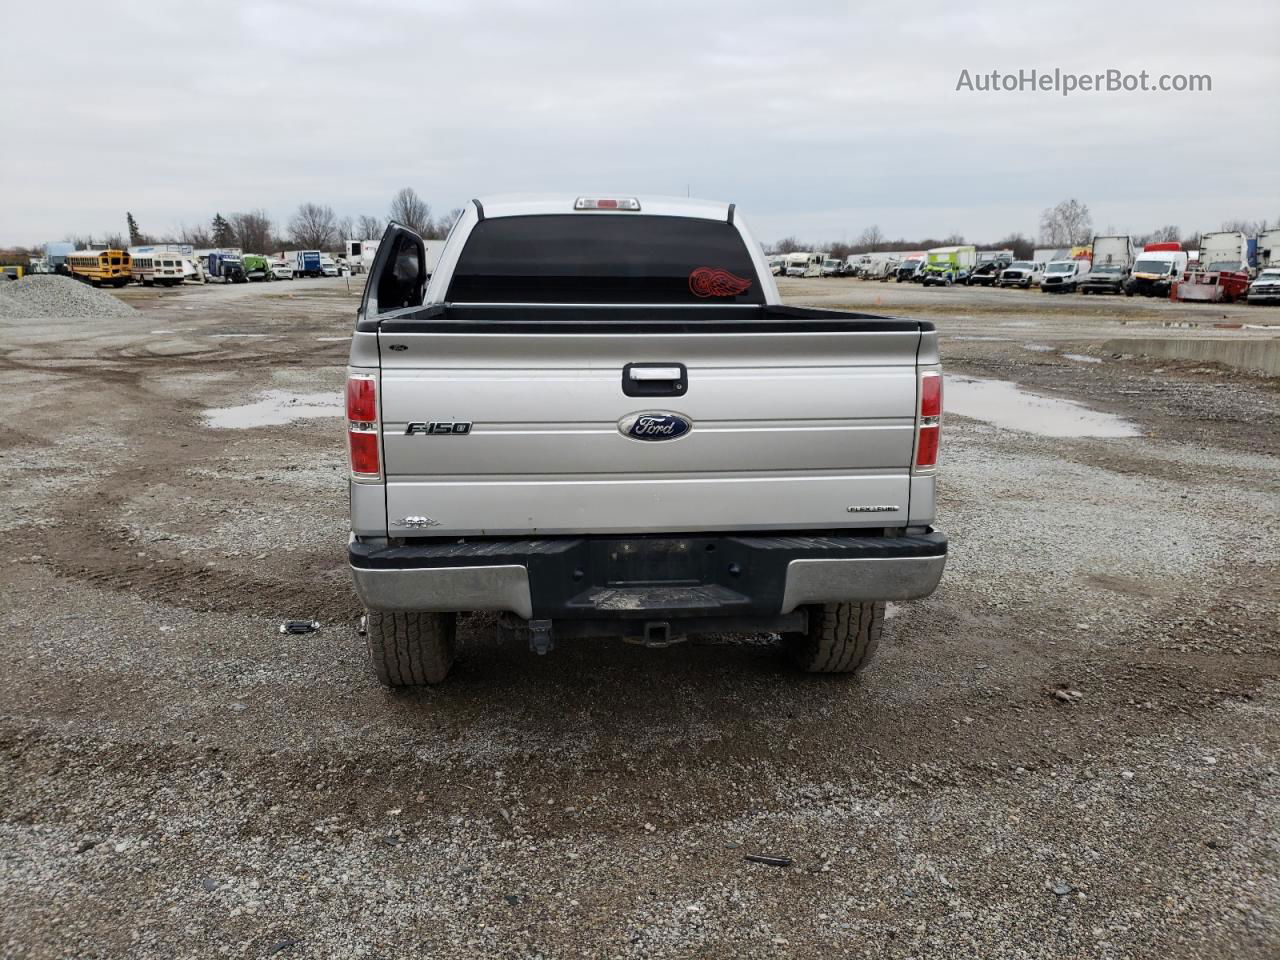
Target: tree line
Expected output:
[313,226]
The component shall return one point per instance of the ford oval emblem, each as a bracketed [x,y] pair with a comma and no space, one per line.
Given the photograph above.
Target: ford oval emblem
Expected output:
[654,425]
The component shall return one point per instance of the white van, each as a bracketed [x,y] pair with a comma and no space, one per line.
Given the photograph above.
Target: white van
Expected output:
[1063,276]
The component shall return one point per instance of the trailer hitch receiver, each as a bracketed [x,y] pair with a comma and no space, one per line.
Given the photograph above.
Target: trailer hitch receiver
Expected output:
[540,641]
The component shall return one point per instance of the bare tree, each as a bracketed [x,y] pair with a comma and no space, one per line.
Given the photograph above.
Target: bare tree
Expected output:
[870,239]
[411,210]
[1249,228]
[253,230]
[1067,224]
[313,226]
[369,228]
[787,245]
[197,236]
[1166,234]
[346,230]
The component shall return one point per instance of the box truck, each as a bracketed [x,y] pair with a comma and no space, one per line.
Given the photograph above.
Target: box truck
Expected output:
[947,265]
[1227,251]
[1268,249]
[306,263]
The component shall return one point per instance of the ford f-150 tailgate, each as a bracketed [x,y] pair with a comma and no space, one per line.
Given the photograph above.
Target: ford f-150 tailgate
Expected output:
[491,426]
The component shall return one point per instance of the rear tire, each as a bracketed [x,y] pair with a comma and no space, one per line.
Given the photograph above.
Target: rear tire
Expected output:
[842,637]
[410,649]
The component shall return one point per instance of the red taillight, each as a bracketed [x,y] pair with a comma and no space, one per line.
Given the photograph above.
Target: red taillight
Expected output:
[930,421]
[931,394]
[362,427]
[362,402]
[364,454]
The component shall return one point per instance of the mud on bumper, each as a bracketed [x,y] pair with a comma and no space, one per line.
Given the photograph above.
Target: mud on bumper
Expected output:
[645,577]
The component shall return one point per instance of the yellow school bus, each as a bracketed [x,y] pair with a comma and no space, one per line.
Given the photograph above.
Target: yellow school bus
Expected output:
[100,266]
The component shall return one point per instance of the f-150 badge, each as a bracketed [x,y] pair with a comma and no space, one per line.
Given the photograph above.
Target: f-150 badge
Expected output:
[654,425]
[438,428]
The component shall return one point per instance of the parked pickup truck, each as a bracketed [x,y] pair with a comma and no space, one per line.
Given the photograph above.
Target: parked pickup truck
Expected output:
[596,419]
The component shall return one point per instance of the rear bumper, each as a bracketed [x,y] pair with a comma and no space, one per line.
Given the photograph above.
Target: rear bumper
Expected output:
[646,577]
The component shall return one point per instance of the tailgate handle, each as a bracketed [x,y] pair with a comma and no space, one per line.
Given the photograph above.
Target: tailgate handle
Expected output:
[655,380]
[656,373]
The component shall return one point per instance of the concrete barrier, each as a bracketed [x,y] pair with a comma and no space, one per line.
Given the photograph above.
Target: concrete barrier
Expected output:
[1258,355]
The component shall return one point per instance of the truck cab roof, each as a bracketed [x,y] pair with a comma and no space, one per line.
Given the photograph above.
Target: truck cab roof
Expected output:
[532,204]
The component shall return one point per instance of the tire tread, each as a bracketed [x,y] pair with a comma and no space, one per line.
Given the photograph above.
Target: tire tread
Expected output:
[410,649]
[842,637]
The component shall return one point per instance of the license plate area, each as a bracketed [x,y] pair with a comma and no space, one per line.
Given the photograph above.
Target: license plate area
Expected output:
[646,562]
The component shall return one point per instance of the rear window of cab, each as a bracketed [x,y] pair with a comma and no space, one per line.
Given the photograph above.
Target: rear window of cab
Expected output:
[604,258]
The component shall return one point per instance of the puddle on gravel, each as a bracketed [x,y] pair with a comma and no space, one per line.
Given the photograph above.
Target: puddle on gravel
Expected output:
[1081,358]
[277,407]
[1004,404]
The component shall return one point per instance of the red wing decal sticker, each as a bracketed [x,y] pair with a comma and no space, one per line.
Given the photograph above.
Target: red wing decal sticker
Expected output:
[714,282]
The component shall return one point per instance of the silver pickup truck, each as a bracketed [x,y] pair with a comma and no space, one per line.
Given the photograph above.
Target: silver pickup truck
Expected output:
[595,418]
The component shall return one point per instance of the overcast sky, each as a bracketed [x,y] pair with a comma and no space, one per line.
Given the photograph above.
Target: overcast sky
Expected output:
[816,119]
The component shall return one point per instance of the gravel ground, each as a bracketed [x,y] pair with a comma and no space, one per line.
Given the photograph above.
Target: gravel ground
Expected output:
[52,295]
[1070,750]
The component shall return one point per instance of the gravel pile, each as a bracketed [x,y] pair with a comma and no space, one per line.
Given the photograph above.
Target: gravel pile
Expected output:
[51,295]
